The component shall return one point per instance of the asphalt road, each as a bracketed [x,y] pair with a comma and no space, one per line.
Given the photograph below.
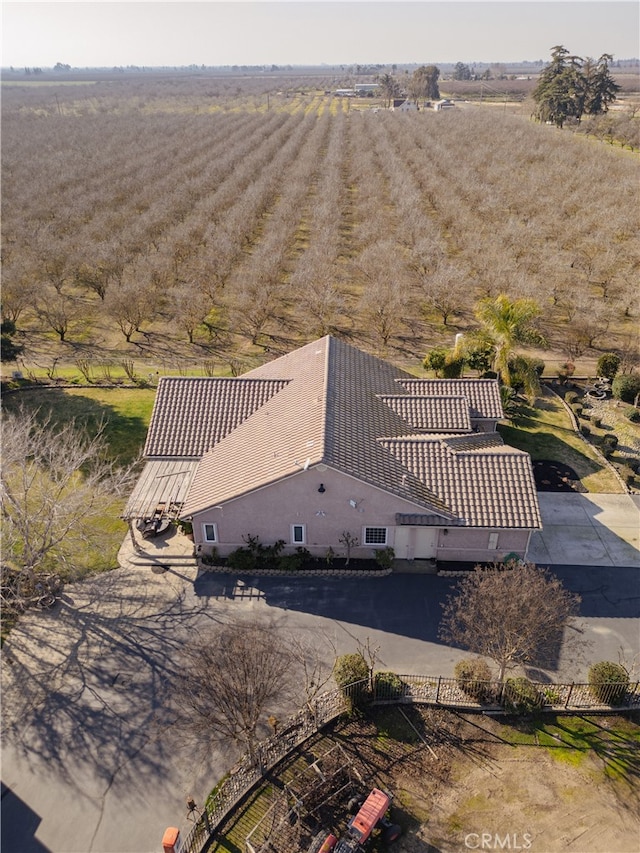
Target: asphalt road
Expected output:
[91,763]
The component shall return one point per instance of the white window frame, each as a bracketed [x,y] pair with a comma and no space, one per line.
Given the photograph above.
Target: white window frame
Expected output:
[366,530]
[494,538]
[205,538]
[303,528]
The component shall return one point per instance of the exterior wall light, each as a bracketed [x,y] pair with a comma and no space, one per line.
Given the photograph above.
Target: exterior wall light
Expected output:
[322,488]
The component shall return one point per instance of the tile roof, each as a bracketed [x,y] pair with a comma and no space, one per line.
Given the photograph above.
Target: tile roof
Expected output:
[436,414]
[489,485]
[190,414]
[484,394]
[330,403]
[328,412]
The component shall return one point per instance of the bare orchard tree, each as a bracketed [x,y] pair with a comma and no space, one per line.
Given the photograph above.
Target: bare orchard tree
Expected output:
[56,481]
[313,659]
[233,677]
[514,614]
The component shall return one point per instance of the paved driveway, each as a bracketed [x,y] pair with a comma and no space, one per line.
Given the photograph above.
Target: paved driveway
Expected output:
[90,761]
[593,530]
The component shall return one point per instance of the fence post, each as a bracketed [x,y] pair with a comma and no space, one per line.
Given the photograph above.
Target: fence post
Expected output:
[207,822]
[566,704]
[438,688]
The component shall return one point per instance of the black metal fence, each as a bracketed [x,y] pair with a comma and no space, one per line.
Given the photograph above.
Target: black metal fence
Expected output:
[401,689]
[495,695]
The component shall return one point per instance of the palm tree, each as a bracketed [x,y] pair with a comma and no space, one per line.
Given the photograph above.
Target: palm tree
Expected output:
[505,323]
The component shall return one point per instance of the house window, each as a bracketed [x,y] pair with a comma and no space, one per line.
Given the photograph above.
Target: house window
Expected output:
[210,533]
[375,536]
[298,534]
[493,541]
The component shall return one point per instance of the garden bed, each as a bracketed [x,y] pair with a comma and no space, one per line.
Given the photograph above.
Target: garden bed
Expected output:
[609,425]
[313,567]
[552,476]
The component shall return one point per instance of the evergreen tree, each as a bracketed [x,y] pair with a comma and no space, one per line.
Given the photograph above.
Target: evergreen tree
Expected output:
[461,71]
[424,83]
[601,88]
[570,87]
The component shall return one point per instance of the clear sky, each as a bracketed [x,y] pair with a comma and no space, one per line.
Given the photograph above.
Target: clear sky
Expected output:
[150,33]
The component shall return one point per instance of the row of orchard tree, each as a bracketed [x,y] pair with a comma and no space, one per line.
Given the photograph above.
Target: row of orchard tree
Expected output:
[570,87]
[233,229]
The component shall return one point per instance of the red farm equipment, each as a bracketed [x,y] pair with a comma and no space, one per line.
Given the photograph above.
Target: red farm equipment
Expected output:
[371,816]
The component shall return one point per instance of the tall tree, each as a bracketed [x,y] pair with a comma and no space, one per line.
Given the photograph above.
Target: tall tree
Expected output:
[601,88]
[56,481]
[570,87]
[231,677]
[506,323]
[559,93]
[461,71]
[514,615]
[390,87]
[424,83]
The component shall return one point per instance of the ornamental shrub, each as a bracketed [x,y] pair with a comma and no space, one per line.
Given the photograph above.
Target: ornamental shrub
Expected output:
[634,415]
[608,682]
[350,668]
[384,557]
[453,368]
[297,560]
[608,365]
[388,685]
[626,387]
[473,676]
[584,429]
[570,397]
[577,409]
[609,443]
[436,359]
[521,696]
[351,674]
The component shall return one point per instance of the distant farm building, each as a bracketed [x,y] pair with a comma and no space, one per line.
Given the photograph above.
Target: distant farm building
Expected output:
[367,88]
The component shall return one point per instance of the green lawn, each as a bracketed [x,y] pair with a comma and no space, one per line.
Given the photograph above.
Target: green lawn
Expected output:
[573,738]
[124,413]
[545,431]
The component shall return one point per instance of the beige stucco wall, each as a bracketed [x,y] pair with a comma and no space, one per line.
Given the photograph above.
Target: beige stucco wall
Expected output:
[474,544]
[269,514]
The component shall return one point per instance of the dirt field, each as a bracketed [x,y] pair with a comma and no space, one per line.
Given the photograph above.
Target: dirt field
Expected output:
[544,798]
[474,783]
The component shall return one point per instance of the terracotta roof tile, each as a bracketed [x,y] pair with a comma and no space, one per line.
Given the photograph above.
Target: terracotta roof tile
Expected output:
[190,415]
[486,486]
[435,414]
[331,403]
[484,394]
